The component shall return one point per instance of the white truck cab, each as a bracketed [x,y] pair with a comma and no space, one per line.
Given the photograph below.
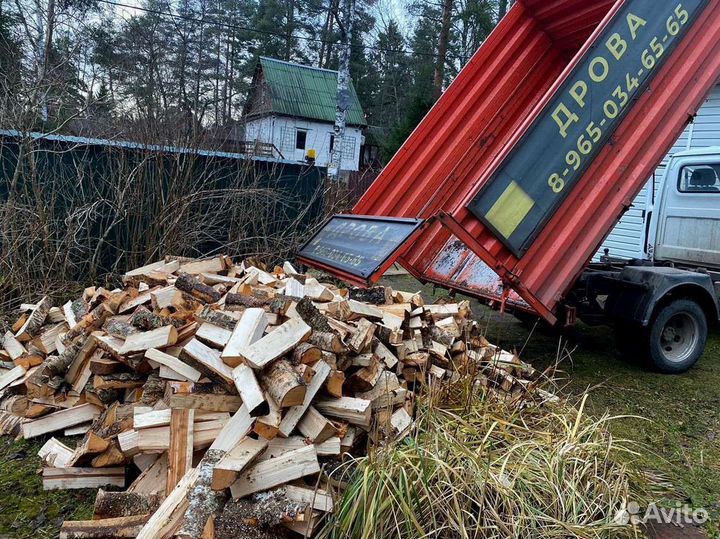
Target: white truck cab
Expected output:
[683,226]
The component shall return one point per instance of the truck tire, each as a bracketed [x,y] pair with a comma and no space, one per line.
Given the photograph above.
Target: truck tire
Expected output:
[677,336]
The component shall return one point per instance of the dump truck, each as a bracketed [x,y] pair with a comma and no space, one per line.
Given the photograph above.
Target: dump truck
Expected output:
[508,187]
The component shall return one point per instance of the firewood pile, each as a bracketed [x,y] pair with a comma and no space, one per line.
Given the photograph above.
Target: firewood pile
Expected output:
[222,396]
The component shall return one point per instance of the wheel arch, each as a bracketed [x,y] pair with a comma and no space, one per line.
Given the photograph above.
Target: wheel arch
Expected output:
[638,293]
[693,292]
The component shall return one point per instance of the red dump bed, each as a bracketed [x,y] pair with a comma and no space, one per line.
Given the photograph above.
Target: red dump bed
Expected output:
[535,151]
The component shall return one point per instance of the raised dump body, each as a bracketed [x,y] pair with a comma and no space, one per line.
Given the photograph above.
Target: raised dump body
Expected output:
[535,151]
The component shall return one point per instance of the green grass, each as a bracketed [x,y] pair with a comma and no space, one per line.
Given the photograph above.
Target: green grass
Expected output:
[26,510]
[682,434]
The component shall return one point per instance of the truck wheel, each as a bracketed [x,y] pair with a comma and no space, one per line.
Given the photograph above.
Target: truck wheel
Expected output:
[677,336]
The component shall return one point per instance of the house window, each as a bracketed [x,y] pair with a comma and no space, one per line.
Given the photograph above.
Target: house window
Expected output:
[332,142]
[349,148]
[300,139]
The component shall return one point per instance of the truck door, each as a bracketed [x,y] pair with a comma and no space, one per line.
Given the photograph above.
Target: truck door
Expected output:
[689,223]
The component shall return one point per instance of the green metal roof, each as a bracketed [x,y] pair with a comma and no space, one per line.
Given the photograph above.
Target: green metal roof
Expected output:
[307,92]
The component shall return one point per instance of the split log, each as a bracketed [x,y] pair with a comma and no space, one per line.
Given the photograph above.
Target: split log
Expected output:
[284,385]
[10,376]
[111,504]
[55,454]
[315,427]
[294,414]
[166,520]
[235,461]
[173,363]
[248,330]
[327,341]
[249,389]
[276,344]
[217,318]
[312,316]
[60,420]
[112,456]
[277,471]
[77,478]
[188,283]
[213,335]
[12,346]
[152,480]
[207,361]
[156,338]
[334,383]
[35,320]
[353,410]
[119,527]
[268,425]
[306,353]
[362,338]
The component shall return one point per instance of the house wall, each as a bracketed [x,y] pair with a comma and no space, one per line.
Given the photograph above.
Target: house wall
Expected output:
[628,239]
[281,131]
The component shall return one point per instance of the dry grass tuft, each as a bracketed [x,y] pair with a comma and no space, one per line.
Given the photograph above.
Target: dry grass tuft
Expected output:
[479,468]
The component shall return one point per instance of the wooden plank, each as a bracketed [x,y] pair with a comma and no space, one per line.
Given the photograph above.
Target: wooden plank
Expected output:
[162,418]
[213,335]
[75,478]
[277,471]
[173,363]
[295,413]
[116,527]
[10,376]
[169,515]
[278,343]
[353,410]
[248,330]
[207,361]
[249,389]
[235,461]
[156,338]
[60,420]
[207,402]
[180,453]
[157,439]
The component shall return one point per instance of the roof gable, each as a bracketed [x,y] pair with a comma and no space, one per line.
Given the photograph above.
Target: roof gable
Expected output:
[303,91]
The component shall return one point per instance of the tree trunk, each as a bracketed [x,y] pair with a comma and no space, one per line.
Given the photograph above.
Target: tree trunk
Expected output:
[343,93]
[439,74]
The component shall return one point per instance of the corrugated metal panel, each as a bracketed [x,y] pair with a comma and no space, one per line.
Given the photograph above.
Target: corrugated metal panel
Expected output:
[628,237]
[307,92]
